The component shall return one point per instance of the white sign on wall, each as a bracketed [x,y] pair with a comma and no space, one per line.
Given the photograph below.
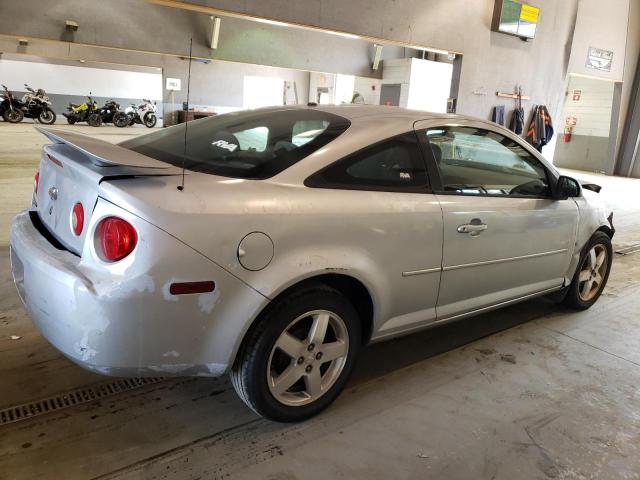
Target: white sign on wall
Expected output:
[173,84]
[599,59]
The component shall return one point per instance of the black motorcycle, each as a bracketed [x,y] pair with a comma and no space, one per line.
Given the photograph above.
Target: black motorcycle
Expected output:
[10,108]
[104,114]
[80,112]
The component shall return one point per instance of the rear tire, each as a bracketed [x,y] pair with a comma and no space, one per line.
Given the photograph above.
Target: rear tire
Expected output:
[592,273]
[95,120]
[287,370]
[120,119]
[13,116]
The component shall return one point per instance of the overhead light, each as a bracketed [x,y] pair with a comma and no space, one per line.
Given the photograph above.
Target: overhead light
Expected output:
[377,56]
[215,32]
[343,34]
[71,26]
[82,60]
[23,42]
[271,22]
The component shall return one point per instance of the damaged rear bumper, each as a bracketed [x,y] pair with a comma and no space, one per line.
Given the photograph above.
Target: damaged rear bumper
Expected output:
[123,320]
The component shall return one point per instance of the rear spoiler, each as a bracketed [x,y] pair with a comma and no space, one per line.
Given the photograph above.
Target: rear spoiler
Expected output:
[100,152]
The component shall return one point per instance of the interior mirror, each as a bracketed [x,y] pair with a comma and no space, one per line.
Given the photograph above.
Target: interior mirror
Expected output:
[567,187]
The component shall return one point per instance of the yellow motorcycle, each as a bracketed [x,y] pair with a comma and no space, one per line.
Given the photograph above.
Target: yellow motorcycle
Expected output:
[80,112]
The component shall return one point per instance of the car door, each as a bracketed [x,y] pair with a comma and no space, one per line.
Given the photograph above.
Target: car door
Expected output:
[504,235]
[382,199]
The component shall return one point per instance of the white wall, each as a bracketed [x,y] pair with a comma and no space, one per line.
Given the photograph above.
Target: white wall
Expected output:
[600,24]
[369,88]
[593,110]
[430,85]
[70,80]
[398,71]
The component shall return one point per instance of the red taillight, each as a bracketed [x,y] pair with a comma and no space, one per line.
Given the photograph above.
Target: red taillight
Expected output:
[77,219]
[36,181]
[117,238]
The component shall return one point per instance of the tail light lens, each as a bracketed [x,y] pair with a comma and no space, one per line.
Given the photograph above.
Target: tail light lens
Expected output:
[117,238]
[77,219]
[36,181]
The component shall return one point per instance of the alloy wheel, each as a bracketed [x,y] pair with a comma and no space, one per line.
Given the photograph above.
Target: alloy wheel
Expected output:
[592,272]
[307,358]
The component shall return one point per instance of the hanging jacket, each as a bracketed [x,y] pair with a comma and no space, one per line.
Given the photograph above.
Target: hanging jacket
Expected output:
[540,129]
[517,121]
[498,115]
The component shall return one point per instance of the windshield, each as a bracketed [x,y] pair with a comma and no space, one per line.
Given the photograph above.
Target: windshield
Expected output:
[250,144]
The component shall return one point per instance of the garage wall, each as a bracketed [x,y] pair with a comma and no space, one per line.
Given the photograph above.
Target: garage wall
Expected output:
[592,108]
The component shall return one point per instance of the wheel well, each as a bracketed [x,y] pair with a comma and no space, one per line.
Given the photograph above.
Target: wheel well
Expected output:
[607,230]
[351,288]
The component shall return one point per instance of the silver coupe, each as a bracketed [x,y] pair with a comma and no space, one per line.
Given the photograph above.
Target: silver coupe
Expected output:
[274,243]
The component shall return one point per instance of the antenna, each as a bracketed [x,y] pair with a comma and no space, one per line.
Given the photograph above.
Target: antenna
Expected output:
[186,117]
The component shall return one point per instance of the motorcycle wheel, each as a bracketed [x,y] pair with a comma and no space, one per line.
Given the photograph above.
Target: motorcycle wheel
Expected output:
[120,119]
[150,120]
[47,116]
[95,120]
[13,116]
[71,120]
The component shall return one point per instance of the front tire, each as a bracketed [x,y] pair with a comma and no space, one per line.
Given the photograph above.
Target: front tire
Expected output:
[592,273]
[150,120]
[47,117]
[295,362]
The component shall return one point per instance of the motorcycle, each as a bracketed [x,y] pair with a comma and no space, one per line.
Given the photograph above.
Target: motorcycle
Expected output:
[80,112]
[104,114]
[145,114]
[9,108]
[34,104]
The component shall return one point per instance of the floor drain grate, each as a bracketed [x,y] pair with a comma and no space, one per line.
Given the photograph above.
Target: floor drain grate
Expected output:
[634,248]
[72,398]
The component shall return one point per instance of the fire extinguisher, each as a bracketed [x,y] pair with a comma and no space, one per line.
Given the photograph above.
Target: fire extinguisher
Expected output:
[568,131]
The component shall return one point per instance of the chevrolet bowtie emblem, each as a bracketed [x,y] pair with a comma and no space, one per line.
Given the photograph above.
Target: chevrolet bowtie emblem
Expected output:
[53,193]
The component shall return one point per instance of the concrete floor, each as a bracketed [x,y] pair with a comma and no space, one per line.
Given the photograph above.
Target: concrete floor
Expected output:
[532,391]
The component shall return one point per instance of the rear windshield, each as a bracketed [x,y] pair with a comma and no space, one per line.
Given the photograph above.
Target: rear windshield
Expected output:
[251,144]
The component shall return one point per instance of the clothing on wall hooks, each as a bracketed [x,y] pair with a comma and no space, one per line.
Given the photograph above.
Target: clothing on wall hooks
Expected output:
[540,129]
[498,115]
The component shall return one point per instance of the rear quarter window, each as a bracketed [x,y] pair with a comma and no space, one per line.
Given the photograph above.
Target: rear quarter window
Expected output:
[253,144]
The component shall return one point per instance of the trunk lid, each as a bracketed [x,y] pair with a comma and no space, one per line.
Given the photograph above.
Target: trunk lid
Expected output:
[71,170]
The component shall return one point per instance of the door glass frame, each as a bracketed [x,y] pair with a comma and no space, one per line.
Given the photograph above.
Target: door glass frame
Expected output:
[434,172]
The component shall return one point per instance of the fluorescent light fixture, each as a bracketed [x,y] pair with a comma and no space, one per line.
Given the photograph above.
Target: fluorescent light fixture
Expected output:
[377,56]
[343,34]
[271,22]
[215,32]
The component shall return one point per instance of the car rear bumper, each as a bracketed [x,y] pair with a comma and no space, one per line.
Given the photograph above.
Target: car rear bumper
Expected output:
[129,324]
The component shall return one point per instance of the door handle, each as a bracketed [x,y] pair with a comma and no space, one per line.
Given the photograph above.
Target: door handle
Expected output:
[473,229]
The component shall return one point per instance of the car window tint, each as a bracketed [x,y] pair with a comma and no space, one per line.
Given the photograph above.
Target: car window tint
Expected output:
[253,138]
[474,161]
[394,164]
[306,130]
[253,144]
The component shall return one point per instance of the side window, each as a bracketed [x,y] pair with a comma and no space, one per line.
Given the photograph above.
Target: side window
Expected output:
[306,130]
[253,139]
[391,165]
[472,161]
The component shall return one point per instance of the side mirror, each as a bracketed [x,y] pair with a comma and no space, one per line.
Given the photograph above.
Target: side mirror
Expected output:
[566,187]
